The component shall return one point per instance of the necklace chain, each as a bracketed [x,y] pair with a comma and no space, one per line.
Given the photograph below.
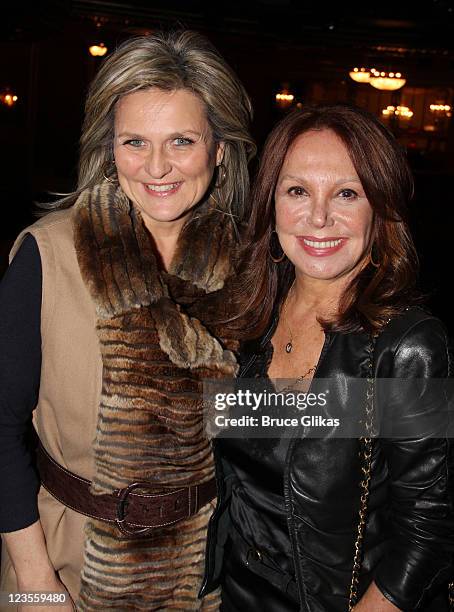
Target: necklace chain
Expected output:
[310,371]
[289,345]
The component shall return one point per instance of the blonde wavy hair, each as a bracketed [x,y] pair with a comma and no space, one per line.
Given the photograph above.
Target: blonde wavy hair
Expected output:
[172,61]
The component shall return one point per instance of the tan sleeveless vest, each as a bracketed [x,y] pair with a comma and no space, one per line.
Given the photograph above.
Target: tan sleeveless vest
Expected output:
[71,377]
[128,295]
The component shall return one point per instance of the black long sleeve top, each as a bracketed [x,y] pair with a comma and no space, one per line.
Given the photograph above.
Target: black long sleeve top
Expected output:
[20,367]
[258,544]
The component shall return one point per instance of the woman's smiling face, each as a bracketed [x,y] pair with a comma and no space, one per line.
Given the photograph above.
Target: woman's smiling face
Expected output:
[164,153]
[323,218]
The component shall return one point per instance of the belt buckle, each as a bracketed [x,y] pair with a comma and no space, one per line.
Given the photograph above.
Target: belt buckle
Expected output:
[120,519]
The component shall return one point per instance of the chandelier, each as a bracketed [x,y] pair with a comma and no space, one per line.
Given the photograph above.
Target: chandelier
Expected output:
[8,98]
[403,112]
[284,98]
[440,110]
[98,50]
[386,81]
[360,75]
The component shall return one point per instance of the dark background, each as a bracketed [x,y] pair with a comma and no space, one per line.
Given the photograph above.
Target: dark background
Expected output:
[307,47]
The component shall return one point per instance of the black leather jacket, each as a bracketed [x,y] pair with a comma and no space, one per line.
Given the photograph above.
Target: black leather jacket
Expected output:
[409,537]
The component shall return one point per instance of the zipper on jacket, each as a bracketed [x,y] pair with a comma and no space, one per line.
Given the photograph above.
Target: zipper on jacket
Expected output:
[219,472]
[287,501]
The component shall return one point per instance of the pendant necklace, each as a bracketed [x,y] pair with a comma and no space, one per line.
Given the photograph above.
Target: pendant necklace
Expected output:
[289,345]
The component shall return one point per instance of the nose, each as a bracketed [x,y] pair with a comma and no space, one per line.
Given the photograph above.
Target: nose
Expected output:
[157,163]
[320,213]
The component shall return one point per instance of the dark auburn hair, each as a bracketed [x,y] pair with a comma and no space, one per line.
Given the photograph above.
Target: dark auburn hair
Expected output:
[376,293]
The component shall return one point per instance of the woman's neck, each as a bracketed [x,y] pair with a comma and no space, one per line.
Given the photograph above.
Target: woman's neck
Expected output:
[165,237]
[317,297]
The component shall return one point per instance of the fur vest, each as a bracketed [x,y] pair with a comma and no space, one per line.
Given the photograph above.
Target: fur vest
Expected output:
[155,352]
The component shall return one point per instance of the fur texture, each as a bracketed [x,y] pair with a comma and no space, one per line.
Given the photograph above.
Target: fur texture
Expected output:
[150,420]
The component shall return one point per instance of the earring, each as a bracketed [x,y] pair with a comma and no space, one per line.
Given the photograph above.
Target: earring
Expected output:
[275,258]
[376,265]
[110,175]
[110,179]
[221,175]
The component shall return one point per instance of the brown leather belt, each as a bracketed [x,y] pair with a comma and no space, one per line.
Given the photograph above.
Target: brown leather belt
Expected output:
[135,514]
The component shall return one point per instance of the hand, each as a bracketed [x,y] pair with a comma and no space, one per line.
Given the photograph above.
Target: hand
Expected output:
[51,584]
[34,571]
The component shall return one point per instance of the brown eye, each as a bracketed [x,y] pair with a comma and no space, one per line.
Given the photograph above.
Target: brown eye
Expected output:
[348,194]
[296,191]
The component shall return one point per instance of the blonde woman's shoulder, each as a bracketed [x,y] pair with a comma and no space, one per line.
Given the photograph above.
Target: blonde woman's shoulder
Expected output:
[56,225]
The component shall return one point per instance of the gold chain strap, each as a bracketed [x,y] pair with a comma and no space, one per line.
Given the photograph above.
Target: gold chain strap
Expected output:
[366,468]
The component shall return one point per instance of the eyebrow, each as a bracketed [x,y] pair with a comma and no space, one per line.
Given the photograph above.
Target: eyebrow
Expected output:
[173,135]
[129,134]
[292,177]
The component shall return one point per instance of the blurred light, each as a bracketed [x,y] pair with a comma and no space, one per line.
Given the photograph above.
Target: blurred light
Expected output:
[284,98]
[386,81]
[403,112]
[360,75]
[98,50]
[8,99]
[442,109]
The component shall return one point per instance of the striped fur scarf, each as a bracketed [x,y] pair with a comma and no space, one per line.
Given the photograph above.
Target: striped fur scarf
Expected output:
[155,353]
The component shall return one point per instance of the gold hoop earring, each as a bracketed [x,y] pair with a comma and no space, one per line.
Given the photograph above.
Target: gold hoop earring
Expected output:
[110,173]
[279,258]
[110,179]
[376,265]
[221,175]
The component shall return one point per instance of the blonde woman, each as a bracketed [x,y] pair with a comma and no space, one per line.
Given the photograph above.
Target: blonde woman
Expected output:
[113,330]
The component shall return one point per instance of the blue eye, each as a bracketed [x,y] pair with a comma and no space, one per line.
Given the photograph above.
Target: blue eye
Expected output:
[134,142]
[181,141]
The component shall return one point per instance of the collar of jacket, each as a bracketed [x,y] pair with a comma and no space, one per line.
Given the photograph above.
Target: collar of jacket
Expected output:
[108,225]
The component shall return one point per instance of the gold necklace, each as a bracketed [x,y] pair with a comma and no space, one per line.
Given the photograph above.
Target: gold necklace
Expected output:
[295,386]
[310,370]
[289,345]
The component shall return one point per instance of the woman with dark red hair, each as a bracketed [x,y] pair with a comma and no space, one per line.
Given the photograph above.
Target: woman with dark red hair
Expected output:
[327,523]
